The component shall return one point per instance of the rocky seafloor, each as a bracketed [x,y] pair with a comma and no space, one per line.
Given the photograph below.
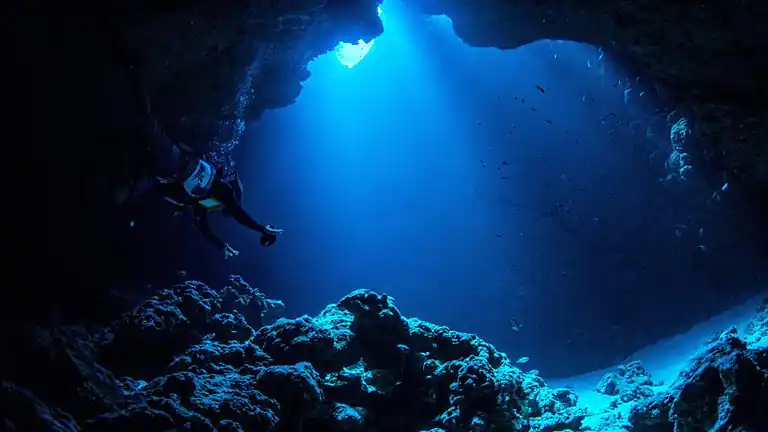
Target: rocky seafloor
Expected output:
[203,359]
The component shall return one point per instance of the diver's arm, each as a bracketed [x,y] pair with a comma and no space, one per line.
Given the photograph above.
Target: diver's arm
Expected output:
[243,218]
[201,217]
[226,195]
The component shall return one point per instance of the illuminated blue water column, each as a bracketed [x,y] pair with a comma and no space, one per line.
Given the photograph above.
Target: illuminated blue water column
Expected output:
[351,54]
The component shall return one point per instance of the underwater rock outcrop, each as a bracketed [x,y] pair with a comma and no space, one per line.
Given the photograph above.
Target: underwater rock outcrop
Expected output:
[723,387]
[188,359]
[631,382]
[679,161]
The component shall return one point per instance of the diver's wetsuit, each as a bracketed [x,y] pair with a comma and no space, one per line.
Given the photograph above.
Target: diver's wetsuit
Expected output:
[217,194]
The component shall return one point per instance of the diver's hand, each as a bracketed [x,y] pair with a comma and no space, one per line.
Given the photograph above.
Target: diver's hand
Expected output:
[229,251]
[269,235]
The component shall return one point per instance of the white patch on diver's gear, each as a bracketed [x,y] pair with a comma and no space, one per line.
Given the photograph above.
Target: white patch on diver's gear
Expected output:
[199,183]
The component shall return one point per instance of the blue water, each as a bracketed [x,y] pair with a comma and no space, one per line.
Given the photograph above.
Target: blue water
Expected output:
[422,173]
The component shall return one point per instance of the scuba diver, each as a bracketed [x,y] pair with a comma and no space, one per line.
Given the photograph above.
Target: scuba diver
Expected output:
[202,188]
[186,179]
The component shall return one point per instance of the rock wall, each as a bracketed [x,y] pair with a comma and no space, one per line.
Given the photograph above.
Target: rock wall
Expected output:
[203,359]
[723,387]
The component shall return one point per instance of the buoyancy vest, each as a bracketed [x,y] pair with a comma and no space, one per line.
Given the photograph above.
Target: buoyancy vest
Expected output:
[199,183]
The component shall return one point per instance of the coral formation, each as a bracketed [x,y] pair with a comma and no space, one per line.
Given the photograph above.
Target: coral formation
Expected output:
[679,161]
[189,359]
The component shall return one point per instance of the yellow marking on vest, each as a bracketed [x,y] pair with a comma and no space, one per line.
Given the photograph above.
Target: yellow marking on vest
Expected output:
[211,204]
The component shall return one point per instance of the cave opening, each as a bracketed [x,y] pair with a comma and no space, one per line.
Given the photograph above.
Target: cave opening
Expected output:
[528,183]
[350,54]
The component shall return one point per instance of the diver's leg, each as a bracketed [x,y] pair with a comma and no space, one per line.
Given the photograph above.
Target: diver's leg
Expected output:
[149,152]
[161,155]
[158,188]
[167,161]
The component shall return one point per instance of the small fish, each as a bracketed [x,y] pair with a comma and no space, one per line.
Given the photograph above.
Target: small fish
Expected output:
[724,188]
[671,116]
[533,109]
[182,273]
[522,360]
[505,177]
[631,129]
[649,132]
[548,121]
[504,162]
[642,94]
[589,64]
[701,232]
[541,89]
[515,325]
[701,248]
[499,234]
[583,98]
[131,224]
[627,94]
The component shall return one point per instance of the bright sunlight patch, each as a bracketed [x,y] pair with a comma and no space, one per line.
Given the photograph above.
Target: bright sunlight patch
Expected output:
[351,54]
